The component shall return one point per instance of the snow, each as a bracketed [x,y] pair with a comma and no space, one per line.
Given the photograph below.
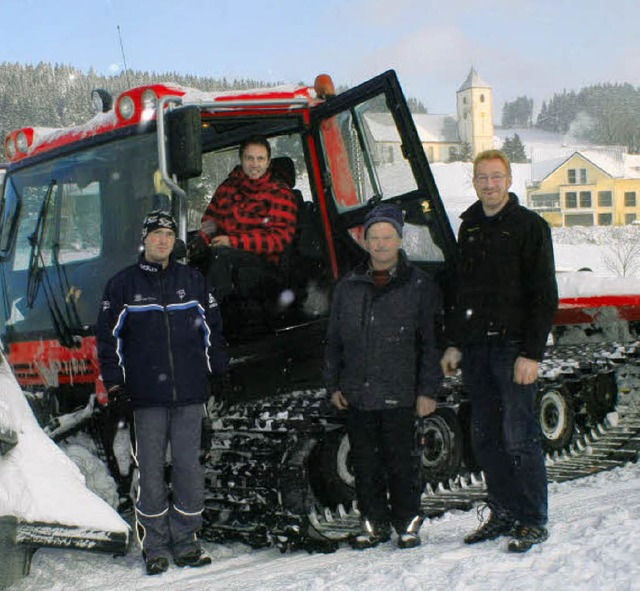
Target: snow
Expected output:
[594,522]
[594,544]
[36,460]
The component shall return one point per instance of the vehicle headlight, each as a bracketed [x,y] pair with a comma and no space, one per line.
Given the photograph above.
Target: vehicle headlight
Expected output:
[127,107]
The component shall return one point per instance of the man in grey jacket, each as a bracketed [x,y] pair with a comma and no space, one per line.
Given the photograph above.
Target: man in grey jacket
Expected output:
[381,366]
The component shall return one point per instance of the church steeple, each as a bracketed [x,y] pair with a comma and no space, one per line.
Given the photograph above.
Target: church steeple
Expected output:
[475,113]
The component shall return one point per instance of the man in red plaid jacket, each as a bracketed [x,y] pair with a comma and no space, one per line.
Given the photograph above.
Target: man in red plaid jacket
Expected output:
[252,210]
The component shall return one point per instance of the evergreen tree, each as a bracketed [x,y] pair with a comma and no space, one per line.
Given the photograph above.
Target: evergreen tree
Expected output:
[463,154]
[518,113]
[514,149]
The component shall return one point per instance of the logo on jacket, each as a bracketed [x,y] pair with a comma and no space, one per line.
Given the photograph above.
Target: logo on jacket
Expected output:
[106,304]
[181,294]
[212,301]
[139,299]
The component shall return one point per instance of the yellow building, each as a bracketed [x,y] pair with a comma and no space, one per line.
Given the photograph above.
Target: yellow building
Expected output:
[598,187]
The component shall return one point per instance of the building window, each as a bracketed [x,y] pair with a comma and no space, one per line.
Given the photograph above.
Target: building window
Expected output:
[547,201]
[571,200]
[577,176]
[585,198]
[605,219]
[482,98]
[605,199]
[630,199]
[629,218]
[580,219]
[464,100]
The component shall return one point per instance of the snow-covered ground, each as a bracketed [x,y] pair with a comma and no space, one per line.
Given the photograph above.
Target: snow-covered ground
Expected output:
[594,545]
[594,522]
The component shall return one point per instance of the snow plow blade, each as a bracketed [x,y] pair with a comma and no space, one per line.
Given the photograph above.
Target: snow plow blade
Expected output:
[43,497]
[70,536]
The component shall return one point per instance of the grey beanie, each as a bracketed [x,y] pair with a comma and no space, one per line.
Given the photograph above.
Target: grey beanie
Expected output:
[385,212]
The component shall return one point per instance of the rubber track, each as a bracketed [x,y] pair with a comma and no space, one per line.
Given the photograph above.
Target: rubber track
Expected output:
[249,443]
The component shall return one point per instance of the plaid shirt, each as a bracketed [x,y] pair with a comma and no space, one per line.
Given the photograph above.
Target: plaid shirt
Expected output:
[258,215]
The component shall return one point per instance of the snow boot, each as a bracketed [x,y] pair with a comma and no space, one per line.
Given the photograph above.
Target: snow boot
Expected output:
[194,558]
[498,524]
[157,565]
[371,535]
[408,536]
[526,536]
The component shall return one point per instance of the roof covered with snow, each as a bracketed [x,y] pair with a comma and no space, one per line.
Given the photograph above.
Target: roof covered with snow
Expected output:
[473,81]
[431,128]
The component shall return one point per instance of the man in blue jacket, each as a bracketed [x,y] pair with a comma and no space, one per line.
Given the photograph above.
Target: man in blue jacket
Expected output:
[159,336]
[381,367]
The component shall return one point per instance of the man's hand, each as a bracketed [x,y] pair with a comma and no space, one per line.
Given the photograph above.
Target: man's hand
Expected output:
[450,361]
[119,400]
[197,249]
[525,371]
[220,241]
[339,401]
[425,406]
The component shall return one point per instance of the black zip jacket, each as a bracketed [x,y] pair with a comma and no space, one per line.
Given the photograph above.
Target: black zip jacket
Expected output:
[506,285]
[380,348]
[159,334]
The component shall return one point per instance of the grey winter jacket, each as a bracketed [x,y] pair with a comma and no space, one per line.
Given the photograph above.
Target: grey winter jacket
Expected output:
[380,348]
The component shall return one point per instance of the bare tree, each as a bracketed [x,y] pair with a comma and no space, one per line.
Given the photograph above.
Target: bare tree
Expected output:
[622,256]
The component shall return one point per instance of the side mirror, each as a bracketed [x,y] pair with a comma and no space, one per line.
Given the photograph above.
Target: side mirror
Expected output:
[185,142]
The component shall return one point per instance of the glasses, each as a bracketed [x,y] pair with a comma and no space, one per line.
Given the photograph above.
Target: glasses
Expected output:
[482,179]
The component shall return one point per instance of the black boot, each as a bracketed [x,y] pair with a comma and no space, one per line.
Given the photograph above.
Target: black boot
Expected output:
[498,524]
[371,535]
[156,566]
[408,536]
[194,558]
[525,536]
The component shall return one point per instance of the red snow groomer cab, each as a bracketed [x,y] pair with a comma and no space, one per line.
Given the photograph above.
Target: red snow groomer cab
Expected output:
[72,206]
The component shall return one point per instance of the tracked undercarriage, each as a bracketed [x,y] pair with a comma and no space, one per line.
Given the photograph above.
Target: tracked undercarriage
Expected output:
[279,471]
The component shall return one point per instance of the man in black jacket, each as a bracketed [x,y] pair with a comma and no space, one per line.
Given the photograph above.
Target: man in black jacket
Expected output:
[381,365]
[159,336]
[505,301]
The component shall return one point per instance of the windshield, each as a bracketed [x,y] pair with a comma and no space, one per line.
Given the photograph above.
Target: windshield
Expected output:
[85,187]
[365,152]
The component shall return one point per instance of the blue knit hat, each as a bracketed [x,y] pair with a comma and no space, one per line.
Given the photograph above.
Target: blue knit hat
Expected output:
[385,212]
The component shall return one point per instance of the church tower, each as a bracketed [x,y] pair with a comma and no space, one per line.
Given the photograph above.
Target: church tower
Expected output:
[475,113]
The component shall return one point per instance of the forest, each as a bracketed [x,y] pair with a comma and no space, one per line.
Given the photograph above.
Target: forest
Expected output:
[604,114]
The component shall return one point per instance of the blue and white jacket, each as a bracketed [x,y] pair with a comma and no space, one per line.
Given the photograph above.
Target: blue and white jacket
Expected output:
[159,334]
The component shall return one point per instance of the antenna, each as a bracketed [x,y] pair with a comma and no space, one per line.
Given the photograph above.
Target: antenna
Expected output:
[124,59]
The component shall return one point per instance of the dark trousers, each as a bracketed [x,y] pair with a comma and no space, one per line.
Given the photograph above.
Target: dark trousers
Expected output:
[506,432]
[233,271]
[385,467]
[168,525]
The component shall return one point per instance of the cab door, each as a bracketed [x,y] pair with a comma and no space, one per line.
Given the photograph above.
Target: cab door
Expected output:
[369,152]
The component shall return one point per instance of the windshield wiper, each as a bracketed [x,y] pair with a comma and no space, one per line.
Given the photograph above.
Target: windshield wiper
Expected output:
[38,275]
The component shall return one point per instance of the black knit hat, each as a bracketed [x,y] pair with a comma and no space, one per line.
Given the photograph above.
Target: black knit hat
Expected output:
[385,212]
[158,219]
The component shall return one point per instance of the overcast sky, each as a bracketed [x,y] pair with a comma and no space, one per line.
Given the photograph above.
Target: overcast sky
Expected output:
[520,47]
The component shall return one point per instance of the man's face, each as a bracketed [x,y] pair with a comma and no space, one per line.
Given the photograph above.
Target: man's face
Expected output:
[158,245]
[491,182]
[255,161]
[382,244]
